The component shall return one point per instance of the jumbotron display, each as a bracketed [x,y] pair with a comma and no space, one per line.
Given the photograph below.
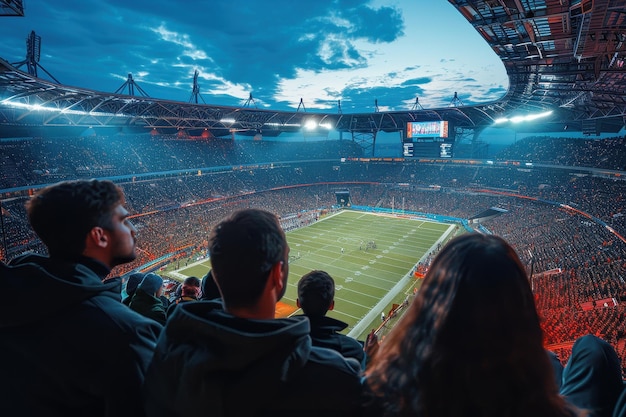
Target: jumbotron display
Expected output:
[427,150]
[427,130]
[427,140]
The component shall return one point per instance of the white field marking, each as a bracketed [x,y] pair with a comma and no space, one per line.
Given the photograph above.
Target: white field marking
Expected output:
[397,289]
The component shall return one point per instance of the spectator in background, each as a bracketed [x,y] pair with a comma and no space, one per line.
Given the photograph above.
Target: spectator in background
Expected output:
[165,301]
[210,291]
[131,286]
[147,298]
[316,296]
[470,343]
[73,349]
[235,359]
[190,292]
[592,378]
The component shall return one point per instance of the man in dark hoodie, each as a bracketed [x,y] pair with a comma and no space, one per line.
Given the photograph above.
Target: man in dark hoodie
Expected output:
[316,296]
[147,301]
[232,358]
[73,349]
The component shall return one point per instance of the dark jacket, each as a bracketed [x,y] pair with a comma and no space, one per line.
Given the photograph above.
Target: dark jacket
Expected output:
[620,406]
[325,333]
[592,378]
[557,366]
[176,302]
[68,346]
[209,362]
[148,306]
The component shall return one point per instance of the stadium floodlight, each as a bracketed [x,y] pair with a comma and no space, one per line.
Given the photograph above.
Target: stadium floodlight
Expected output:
[227,120]
[312,124]
[64,110]
[519,119]
[274,124]
[539,115]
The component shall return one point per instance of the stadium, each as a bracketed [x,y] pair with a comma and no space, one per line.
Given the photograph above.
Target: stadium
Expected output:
[374,221]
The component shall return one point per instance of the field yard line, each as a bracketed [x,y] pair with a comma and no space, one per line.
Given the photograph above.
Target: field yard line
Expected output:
[177,275]
[376,310]
[331,215]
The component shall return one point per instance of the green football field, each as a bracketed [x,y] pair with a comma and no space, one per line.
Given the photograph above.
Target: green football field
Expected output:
[368,280]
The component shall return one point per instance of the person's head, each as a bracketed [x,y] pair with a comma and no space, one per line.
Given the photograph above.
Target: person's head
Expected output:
[210,291]
[316,293]
[83,217]
[152,284]
[249,259]
[133,282]
[191,287]
[471,342]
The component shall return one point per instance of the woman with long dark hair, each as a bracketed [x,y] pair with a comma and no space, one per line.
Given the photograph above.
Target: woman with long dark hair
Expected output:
[470,345]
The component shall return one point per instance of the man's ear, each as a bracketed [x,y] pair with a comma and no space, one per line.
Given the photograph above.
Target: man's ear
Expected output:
[97,237]
[276,275]
[332,305]
[298,303]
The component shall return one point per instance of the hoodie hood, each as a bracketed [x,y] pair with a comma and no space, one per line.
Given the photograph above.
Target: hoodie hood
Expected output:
[50,285]
[230,363]
[323,325]
[240,342]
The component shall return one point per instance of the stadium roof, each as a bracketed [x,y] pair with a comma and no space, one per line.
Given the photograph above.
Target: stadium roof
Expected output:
[561,56]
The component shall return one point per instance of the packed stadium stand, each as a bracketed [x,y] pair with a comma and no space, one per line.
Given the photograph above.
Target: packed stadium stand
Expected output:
[565,215]
[560,202]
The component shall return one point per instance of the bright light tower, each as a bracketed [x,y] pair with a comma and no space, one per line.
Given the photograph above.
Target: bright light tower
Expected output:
[33,54]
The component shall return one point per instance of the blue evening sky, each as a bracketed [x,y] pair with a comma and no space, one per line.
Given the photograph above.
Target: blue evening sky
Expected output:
[280,51]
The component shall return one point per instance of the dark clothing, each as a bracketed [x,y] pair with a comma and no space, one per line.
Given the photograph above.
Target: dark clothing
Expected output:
[325,333]
[557,366]
[148,306]
[165,301]
[208,362]
[71,348]
[592,378]
[179,300]
[620,406]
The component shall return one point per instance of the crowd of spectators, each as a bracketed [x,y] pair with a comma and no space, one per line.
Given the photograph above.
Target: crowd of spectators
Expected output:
[47,160]
[576,262]
[596,153]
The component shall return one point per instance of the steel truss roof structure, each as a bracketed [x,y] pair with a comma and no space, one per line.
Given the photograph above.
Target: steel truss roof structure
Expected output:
[560,55]
[11,8]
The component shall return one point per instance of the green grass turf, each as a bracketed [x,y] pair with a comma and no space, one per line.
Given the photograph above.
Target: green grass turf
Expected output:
[363,278]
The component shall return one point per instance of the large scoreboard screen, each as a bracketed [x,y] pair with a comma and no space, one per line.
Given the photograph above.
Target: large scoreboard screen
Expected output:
[427,150]
[427,140]
[434,131]
[445,150]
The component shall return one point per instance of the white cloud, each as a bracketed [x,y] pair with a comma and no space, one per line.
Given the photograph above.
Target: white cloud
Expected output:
[189,49]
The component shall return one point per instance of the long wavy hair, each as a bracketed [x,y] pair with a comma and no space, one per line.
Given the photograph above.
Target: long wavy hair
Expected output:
[470,345]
